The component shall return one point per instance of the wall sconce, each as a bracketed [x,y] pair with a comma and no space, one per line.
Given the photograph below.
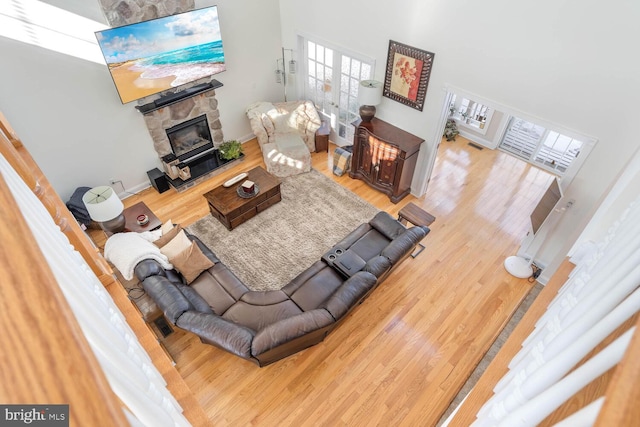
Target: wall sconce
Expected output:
[281,69]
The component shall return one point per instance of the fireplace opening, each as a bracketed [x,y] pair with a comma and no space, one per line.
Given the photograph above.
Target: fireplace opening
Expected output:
[191,139]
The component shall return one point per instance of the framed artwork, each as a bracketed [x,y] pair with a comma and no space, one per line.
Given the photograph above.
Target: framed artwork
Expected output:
[407,75]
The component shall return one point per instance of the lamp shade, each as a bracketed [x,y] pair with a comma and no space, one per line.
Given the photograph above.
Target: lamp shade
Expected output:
[369,92]
[103,204]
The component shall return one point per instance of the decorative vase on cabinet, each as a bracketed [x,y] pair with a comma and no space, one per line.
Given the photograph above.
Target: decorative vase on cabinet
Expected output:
[384,157]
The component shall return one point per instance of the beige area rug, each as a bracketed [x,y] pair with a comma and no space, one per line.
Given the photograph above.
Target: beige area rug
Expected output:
[279,243]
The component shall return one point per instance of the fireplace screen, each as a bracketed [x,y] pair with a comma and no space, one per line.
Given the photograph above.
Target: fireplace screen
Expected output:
[190,138]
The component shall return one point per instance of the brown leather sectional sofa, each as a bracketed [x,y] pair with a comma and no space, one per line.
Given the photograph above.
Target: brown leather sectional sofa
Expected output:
[264,327]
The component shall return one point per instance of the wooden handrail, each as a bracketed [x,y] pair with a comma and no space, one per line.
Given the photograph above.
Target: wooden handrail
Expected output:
[46,359]
[620,406]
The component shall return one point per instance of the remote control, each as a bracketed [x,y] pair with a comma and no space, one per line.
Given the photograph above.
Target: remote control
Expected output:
[235,179]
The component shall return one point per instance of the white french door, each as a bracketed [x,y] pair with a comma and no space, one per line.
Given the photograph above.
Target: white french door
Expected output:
[332,81]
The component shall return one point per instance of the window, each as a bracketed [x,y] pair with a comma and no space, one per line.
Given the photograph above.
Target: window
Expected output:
[546,148]
[471,114]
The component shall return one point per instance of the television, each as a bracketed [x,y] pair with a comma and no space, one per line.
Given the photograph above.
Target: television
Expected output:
[546,205]
[152,56]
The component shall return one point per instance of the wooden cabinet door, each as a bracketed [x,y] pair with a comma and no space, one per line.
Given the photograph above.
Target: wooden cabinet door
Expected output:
[387,172]
[366,163]
[386,159]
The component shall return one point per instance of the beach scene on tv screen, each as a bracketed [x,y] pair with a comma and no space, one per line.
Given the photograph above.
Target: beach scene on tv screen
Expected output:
[152,56]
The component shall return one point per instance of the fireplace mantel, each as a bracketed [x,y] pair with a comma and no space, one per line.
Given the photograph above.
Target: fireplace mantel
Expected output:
[172,98]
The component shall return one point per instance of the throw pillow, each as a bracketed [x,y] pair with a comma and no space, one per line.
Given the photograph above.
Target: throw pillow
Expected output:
[191,262]
[168,236]
[267,124]
[176,245]
[166,226]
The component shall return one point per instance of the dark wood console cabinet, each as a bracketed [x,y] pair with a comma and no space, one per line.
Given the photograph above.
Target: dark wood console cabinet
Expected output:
[384,157]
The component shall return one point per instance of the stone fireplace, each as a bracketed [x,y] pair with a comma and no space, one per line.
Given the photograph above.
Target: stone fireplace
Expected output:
[185,136]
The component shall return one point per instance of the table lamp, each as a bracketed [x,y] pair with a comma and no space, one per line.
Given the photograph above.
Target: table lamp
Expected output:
[105,207]
[369,95]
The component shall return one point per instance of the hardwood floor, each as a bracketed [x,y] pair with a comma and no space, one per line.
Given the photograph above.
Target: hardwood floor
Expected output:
[401,356]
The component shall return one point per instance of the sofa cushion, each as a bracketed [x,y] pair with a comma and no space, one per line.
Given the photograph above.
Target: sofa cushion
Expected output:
[349,294]
[219,287]
[387,225]
[289,140]
[191,262]
[176,245]
[370,245]
[198,303]
[205,250]
[378,266]
[314,289]
[289,329]
[259,316]
[167,236]
[400,246]
[268,124]
[168,297]
[219,332]
[147,268]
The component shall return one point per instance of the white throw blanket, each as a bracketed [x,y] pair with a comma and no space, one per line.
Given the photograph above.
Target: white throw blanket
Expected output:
[126,250]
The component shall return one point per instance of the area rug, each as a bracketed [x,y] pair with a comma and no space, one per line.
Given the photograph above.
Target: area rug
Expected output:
[279,243]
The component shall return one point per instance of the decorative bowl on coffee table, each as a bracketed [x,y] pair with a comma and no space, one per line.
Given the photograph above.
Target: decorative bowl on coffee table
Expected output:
[245,195]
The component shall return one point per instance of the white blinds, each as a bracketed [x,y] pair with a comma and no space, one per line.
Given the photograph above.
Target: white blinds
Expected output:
[128,368]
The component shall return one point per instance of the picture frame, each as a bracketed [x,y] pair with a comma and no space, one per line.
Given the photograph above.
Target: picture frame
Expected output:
[407,74]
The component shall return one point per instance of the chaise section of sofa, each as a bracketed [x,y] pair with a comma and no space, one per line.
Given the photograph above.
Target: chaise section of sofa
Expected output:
[266,326]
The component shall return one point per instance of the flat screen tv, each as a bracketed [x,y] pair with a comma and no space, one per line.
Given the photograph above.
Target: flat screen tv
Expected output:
[156,55]
[546,205]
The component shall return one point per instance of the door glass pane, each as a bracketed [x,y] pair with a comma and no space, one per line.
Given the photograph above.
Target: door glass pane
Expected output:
[311,49]
[329,57]
[355,69]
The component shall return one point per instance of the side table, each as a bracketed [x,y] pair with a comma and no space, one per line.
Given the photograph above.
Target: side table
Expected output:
[417,216]
[322,142]
[131,216]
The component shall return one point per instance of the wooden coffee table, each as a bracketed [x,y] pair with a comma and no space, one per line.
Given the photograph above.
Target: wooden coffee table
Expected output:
[232,210]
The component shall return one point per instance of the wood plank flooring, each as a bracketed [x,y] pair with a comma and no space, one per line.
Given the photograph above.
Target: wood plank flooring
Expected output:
[401,356]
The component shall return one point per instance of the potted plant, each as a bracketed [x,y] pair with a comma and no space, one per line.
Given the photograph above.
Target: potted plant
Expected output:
[230,150]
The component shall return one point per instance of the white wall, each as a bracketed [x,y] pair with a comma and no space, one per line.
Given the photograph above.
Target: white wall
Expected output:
[68,114]
[570,63]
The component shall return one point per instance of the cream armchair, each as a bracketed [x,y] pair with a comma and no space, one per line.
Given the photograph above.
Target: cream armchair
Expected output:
[286,134]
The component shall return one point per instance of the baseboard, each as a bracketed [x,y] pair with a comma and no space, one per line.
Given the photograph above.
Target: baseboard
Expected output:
[246,138]
[131,191]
